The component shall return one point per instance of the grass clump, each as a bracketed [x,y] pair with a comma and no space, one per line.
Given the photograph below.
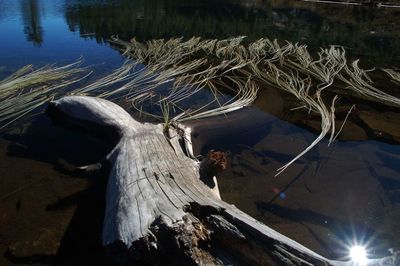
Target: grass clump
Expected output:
[27,89]
[243,69]
[173,75]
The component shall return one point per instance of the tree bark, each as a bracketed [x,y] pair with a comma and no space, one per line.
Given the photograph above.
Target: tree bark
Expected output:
[158,210]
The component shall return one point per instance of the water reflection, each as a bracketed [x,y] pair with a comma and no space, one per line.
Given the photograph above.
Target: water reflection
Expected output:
[31,17]
[363,31]
[369,33]
[328,195]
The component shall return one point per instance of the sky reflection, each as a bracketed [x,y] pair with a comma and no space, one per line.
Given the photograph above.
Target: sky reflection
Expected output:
[35,31]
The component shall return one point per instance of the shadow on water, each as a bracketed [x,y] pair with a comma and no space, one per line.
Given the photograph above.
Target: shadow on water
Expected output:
[80,242]
[45,142]
[388,184]
[244,128]
[29,260]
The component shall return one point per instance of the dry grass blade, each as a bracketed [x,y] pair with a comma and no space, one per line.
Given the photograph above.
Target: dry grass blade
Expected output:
[221,65]
[393,74]
[27,77]
[171,74]
[326,125]
[331,61]
[359,81]
[27,89]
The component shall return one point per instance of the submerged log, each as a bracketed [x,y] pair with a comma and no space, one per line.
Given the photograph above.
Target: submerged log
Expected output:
[160,211]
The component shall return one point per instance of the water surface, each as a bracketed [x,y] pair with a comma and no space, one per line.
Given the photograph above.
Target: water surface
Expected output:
[332,196]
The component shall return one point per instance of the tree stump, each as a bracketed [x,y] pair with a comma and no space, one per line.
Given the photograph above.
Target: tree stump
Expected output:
[158,209]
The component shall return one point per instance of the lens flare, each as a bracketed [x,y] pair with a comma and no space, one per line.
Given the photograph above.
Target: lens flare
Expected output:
[358,255]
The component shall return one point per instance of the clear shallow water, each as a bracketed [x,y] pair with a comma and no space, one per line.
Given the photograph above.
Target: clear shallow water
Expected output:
[49,213]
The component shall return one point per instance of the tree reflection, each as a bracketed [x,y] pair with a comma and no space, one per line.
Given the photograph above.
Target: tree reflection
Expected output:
[30,12]
[361,30]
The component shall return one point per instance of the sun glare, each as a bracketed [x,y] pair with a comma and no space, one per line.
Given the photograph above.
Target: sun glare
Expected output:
[358,255]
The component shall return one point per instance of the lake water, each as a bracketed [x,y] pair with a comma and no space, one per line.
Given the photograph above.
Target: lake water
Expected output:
[348,192]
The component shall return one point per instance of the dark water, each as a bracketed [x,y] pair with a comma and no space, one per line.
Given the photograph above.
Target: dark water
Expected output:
[333,196]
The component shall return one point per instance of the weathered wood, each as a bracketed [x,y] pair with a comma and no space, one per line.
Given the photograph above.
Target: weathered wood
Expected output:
[158,211]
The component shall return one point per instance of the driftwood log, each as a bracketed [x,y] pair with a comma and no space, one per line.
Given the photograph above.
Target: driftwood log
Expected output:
[158,209]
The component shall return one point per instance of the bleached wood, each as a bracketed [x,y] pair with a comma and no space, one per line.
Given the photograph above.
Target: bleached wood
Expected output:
[154,192]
